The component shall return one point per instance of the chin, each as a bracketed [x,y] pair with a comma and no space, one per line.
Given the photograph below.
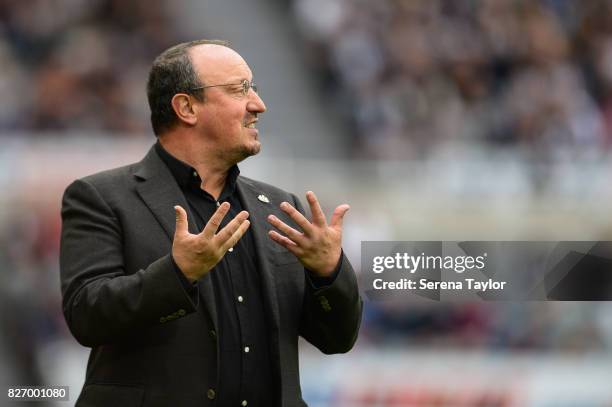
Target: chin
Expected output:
[249,151]
[253,149]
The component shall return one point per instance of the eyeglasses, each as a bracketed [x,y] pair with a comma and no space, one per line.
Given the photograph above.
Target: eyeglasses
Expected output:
[246,86]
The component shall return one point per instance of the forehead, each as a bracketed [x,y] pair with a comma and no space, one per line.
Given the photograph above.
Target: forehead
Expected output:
[218,64]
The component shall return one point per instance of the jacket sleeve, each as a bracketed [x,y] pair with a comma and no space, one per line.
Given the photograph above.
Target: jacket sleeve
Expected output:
[102,301]
[331,315]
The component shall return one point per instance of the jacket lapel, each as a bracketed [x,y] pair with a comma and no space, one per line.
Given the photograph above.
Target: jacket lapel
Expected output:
[160,192]
[259,212]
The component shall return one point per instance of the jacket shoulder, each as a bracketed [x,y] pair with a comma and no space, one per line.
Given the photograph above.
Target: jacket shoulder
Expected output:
[108,182]
[114,174]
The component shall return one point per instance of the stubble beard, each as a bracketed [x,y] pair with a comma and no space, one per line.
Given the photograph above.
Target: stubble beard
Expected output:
[246,151]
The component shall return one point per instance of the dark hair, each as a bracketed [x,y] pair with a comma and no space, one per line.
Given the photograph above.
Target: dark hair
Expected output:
[172,72]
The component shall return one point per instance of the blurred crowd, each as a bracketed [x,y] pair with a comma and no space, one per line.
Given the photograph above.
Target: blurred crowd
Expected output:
[79,64]
[66,65]
[567,327]
[30,302]
[407,75]
[410,75]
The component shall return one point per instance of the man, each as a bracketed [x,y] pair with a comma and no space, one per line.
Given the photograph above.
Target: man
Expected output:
[202,305]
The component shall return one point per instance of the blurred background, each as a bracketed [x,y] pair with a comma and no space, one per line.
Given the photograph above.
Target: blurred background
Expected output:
[435,120]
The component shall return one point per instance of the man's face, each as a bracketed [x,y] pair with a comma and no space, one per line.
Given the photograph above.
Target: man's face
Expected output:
[227,118]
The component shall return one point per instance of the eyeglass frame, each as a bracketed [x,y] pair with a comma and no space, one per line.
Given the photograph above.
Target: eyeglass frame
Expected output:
[246,86]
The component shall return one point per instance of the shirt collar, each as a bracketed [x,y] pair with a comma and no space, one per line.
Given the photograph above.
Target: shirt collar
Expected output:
[187,176]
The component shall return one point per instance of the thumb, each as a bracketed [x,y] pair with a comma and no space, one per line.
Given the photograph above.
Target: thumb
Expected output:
[181,221]
[338,216]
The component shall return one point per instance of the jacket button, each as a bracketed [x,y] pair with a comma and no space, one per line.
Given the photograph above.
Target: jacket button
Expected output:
[181,312]
[211,394]
[213,334]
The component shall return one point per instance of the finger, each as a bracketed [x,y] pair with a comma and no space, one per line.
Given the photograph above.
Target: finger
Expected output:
[338,216]
[318,217]
[181,221]
[238,233]
[213,223]
[297,217]
[228,231]
[293,234]
[284,241]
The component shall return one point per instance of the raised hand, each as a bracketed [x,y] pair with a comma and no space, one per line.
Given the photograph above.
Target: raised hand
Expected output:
[319,245]
[197,254]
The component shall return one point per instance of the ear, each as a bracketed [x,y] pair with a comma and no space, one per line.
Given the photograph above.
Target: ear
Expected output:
[184,108]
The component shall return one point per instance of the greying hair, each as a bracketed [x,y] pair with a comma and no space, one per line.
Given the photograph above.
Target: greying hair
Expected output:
[172,72]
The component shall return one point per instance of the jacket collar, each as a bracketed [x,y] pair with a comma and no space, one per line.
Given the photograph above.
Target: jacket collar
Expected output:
[160,192]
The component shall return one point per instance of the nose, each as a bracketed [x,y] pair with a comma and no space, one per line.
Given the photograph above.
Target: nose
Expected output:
[255,104]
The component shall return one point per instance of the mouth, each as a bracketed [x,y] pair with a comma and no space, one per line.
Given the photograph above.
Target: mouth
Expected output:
[253,131]
[251,124]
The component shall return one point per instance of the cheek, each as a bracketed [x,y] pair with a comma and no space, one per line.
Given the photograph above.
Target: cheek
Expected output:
[220,121]
[228,130]
[234,121]
[225,119]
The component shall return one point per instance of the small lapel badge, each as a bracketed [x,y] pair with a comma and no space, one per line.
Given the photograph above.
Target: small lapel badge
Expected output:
[263,198]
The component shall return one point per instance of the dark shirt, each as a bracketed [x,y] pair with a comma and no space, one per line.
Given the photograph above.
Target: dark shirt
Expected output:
[245,369]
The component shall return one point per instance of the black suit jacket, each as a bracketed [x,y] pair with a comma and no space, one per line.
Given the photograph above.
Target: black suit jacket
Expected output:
[153,345]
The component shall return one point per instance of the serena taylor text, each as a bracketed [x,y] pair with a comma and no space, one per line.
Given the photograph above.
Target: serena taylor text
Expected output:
[425,284]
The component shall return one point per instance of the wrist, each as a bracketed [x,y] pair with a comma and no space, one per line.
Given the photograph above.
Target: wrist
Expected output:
[329,268]
[189,274]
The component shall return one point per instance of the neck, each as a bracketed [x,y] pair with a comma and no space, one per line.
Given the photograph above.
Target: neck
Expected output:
[211,169]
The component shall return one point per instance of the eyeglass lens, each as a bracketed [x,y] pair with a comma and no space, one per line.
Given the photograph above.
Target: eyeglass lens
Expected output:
[246,85]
